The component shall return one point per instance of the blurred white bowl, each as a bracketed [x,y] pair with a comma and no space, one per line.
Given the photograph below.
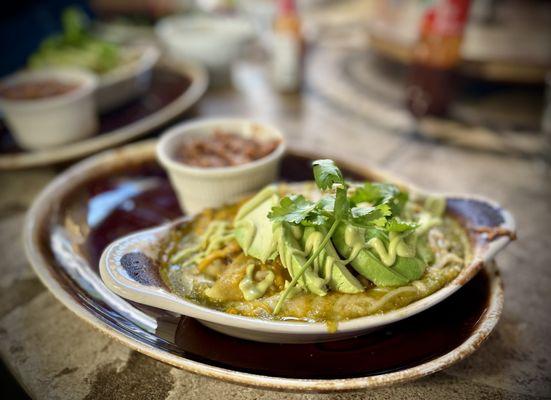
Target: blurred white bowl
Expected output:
[128,81]
[214,42]
[261,12]
[55,120]
[199,188]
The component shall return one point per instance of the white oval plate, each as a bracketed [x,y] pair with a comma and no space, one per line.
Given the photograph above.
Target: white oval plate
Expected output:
[73,280]
[475,213]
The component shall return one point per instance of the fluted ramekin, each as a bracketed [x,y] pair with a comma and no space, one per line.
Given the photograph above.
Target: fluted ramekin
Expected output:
[56,120]
[198,188]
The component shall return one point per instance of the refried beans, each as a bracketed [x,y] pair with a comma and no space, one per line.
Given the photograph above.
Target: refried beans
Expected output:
[39,89]
[224,149]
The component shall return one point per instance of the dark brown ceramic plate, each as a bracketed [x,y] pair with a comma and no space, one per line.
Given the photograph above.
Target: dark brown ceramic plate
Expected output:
[174,89]
[120,191]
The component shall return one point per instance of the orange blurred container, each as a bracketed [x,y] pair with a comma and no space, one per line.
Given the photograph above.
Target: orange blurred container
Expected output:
[432,81]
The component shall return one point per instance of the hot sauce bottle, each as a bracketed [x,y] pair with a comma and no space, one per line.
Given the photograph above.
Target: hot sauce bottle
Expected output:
[287,48]
[432,79]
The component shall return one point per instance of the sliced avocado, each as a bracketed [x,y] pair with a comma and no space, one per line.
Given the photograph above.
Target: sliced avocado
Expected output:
[424,251]
[253,229]
[410,267]
[368,265]
[292,257]
[329,264]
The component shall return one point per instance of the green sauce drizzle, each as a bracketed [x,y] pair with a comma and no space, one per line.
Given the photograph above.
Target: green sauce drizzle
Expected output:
[251,289]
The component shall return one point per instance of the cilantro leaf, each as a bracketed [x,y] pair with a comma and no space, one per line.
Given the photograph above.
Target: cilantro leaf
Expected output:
[341,209]
[375,193]
[398,203]
[315,219]
[371,216]
[293,208]
[327,204]
[368,193]
[297,210]
[398,225]
[380,193]
[326,173]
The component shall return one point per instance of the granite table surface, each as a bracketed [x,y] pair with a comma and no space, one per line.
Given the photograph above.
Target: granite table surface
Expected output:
[55,355]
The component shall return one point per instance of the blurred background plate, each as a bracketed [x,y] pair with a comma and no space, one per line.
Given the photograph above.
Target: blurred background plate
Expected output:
[175,87]
[505,41]
[124,190]
[487,117]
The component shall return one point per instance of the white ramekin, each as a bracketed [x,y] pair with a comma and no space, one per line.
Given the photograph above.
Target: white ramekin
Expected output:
[212,41]
[199,188]
[56,120]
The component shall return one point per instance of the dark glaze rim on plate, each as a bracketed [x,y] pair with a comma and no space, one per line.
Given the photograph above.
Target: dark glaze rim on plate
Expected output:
[110,160]
[198,85]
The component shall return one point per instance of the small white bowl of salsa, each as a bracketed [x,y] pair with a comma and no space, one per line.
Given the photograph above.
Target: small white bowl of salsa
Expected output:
[215,161]
[49,107]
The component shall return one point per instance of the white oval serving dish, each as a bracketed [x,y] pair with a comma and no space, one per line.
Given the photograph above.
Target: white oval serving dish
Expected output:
[490,228]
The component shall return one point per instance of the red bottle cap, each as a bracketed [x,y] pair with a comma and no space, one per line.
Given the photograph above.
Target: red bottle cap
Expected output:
[286,7]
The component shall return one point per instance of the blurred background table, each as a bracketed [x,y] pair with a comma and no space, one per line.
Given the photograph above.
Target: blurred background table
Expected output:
[53,354]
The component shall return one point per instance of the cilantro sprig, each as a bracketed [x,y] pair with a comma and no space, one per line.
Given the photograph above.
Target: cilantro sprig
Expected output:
[373,206]
[295,209]
[326,174]
[376,193]
[398,225]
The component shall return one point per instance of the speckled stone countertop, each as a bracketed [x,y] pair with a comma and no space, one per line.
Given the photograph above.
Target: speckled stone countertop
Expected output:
[55,355]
